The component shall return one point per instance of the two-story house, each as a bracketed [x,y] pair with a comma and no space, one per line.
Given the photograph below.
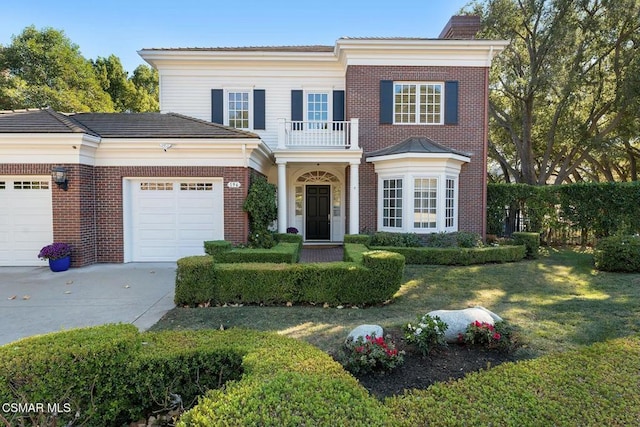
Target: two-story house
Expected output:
[367,134]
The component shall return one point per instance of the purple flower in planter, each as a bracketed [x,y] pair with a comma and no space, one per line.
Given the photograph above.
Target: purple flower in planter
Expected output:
[292,230]
[55,251]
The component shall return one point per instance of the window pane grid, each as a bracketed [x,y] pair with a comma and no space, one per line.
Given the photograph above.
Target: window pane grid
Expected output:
[418,103]
[392,203]
[317,109]
[449,203]
[239,110]
[425,202]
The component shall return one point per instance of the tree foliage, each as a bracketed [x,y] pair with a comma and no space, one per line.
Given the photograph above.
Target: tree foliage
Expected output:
[565,93]
[261,206]
[44,68]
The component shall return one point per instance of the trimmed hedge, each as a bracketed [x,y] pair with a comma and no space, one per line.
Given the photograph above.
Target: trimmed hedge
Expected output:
[592,386]
[530,240]
[275,380]
[287,250]
[459,256]
[376,279]
[113,375]
[361,239]
[618,253]
[84,368]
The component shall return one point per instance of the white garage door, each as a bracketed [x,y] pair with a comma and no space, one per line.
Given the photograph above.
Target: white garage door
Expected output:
[171,219]
[26,221]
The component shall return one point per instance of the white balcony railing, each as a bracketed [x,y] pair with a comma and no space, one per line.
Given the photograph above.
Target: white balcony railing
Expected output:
[310,134]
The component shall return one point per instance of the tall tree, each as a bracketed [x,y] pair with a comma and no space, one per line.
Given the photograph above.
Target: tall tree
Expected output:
[134,94]
[44,68]
[565,89]
[146,81]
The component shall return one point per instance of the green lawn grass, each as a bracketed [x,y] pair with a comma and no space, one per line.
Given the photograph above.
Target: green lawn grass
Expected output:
[558,302]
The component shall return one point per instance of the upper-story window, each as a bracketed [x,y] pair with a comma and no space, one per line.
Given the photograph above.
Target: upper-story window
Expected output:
[317,110]
[238,109]
[418,103]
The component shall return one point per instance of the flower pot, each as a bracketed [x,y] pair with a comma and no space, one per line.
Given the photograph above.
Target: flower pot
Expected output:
[61,264]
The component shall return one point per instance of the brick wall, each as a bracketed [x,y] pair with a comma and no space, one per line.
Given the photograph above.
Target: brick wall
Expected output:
[109,212]
[469,135]
[89,214]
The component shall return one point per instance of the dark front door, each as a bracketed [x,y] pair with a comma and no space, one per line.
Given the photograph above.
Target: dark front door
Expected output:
[318,204]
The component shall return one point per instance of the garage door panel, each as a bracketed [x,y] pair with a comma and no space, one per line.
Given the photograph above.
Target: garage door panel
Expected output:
[26,222]
[171,218]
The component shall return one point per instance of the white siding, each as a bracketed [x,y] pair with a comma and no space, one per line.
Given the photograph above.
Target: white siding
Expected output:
[188,91]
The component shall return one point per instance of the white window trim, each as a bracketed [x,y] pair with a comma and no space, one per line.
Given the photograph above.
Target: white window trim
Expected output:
[408,204]
[418,83]
[226,105]
[305,112]
[381,180]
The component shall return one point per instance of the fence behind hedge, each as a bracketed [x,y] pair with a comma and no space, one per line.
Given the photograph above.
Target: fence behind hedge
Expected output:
[571,213]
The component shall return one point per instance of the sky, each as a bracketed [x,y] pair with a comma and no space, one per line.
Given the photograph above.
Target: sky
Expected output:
[102,28]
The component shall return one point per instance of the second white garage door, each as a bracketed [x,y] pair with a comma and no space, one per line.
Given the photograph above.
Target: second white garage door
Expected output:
[170,219]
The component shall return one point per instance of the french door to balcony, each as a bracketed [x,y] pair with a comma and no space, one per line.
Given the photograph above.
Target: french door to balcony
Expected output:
[318,202]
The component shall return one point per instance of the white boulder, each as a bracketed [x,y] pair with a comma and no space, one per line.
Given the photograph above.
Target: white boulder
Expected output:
[458,320]
[364,330]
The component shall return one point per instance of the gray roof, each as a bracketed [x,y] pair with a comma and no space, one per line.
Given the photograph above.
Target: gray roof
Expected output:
[416,144]
[115,125]
[43,120]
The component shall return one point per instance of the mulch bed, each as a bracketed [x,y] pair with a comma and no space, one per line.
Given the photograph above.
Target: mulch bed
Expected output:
[419,372]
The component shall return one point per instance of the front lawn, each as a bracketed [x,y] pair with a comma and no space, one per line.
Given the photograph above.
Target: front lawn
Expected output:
[558,301]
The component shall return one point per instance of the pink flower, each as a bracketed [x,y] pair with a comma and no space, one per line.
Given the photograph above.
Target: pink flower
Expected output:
[496,336]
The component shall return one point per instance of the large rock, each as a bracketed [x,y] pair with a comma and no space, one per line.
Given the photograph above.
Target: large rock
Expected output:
[364,330]
[458,320]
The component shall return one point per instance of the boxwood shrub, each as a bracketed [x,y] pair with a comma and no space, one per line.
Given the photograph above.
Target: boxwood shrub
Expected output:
[112,374]
[618,253]
[287,250]
[459,256]
[374,278]
[530,240]
[361,239]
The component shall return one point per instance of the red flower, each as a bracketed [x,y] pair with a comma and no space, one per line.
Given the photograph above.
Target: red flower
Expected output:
[478,324]
[496,336]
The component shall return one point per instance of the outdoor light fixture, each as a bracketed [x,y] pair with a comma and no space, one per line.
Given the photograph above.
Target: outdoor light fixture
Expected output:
[59,175]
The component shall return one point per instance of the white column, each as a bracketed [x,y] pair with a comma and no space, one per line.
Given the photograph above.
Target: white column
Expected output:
[355,134]
[282,197]
[354,199]
[282,134]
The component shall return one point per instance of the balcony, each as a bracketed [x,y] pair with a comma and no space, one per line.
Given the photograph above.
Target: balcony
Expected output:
[315,135]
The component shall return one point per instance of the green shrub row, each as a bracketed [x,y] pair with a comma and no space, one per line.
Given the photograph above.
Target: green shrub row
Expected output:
[201,280]
[287,250]
[459,256]
[275,380]
[592,386]
[108,375]
[531,241]
[618,253]
[592,209]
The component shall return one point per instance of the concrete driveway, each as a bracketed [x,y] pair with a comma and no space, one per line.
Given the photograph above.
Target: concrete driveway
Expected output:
[35,300]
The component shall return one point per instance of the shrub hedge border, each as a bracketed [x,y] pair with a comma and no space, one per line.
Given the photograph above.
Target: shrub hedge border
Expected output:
[371,278]
[276,380]
[287,250]
[529,242]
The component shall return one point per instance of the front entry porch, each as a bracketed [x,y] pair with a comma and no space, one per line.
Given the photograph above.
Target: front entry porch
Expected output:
[312,198]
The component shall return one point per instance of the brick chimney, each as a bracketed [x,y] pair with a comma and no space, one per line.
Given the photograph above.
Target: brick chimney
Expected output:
[461,27]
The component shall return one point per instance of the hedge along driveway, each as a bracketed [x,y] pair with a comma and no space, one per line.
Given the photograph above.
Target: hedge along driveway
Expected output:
[371,277]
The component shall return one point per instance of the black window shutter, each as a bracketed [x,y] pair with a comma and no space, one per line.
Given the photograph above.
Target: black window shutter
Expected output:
[451,103]
[338,105]
[259,109]
[297,109]
[386,101]
[217,106]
